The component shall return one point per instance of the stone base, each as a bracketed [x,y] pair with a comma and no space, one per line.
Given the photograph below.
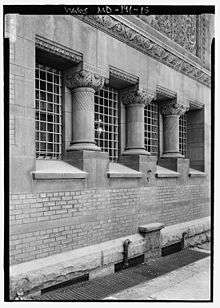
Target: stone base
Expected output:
[95,163]
[142,163]
[98,260]
[135,152]
[177,164]
[196,232]
[84,146]
[176,154]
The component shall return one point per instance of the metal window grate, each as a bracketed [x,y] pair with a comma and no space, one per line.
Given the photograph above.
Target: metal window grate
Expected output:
[183,134]
[106,121]
[47,112]
[151,128]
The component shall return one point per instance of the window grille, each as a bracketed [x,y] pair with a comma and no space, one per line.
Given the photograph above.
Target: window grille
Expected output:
[151,128]
[47,112]
[106,121]
[183,134]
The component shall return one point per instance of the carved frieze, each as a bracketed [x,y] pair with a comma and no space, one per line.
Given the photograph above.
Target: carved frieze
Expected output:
[180,28]
[147,46]
[134,96]
[83,78]
[173,108]
[58,49]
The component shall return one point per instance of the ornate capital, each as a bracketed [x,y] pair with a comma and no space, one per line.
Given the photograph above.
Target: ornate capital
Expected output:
[173,108]
[132,97]
[84,78]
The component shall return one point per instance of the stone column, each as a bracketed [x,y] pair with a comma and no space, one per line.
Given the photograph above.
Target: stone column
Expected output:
[171,112]
[83,85]
[135,100]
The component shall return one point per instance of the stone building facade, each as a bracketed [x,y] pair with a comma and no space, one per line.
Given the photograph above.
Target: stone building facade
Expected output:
[110,130]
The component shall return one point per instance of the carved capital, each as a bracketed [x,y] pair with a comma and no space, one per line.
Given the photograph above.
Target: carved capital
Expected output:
[84,78]
[173,108]
[132,97]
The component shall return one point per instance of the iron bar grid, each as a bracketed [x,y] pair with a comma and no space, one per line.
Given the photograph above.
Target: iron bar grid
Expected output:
[47,112]
[151,128]
[106,121]
[183,134]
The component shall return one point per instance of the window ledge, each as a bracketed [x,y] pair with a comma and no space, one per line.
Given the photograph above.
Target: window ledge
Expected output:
[166,173]
[196,173]
[57,170]
[120,171]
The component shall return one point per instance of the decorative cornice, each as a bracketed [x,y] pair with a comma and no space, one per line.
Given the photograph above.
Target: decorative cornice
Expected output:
[195,104]
[134,96]
[83,78]
[172,108]
[164,93]
[122,75]
[58,49]
[147,46]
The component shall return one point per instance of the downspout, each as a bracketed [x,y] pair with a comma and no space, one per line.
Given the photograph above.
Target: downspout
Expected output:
[126,244]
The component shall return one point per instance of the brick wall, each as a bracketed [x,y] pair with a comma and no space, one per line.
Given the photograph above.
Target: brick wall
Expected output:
[46,223]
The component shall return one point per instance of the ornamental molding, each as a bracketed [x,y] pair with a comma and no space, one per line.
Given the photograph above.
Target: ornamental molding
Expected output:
[173,108]
[58,49]
[147,46]
[195,104]
[83,78]
[135,96]
[122,75]
[182,29]
[164,94]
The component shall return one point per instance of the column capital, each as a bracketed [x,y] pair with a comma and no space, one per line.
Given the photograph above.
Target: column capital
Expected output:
[173,108]
[83,78]
[134,96]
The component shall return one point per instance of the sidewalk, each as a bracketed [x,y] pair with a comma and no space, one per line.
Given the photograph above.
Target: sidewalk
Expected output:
[191,282]
[179,276]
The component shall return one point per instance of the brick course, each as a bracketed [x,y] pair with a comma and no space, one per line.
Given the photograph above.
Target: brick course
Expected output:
[46,223]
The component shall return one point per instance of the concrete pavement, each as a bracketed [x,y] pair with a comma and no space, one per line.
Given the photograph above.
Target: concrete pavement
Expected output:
[191,282]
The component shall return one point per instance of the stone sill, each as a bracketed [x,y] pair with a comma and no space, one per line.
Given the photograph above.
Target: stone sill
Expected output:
[195,173]
[120,171]
[56,170]
[166,173]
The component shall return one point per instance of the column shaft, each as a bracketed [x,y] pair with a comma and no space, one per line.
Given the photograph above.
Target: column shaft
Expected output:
[171,111]
[135,129]
[83,85]
[83,119]
[135,100]
[171,135]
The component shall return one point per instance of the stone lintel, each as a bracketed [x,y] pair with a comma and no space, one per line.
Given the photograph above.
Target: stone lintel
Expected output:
[153,227]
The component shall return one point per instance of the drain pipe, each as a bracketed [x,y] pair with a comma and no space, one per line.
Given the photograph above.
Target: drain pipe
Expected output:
[183,240]
[126,243]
